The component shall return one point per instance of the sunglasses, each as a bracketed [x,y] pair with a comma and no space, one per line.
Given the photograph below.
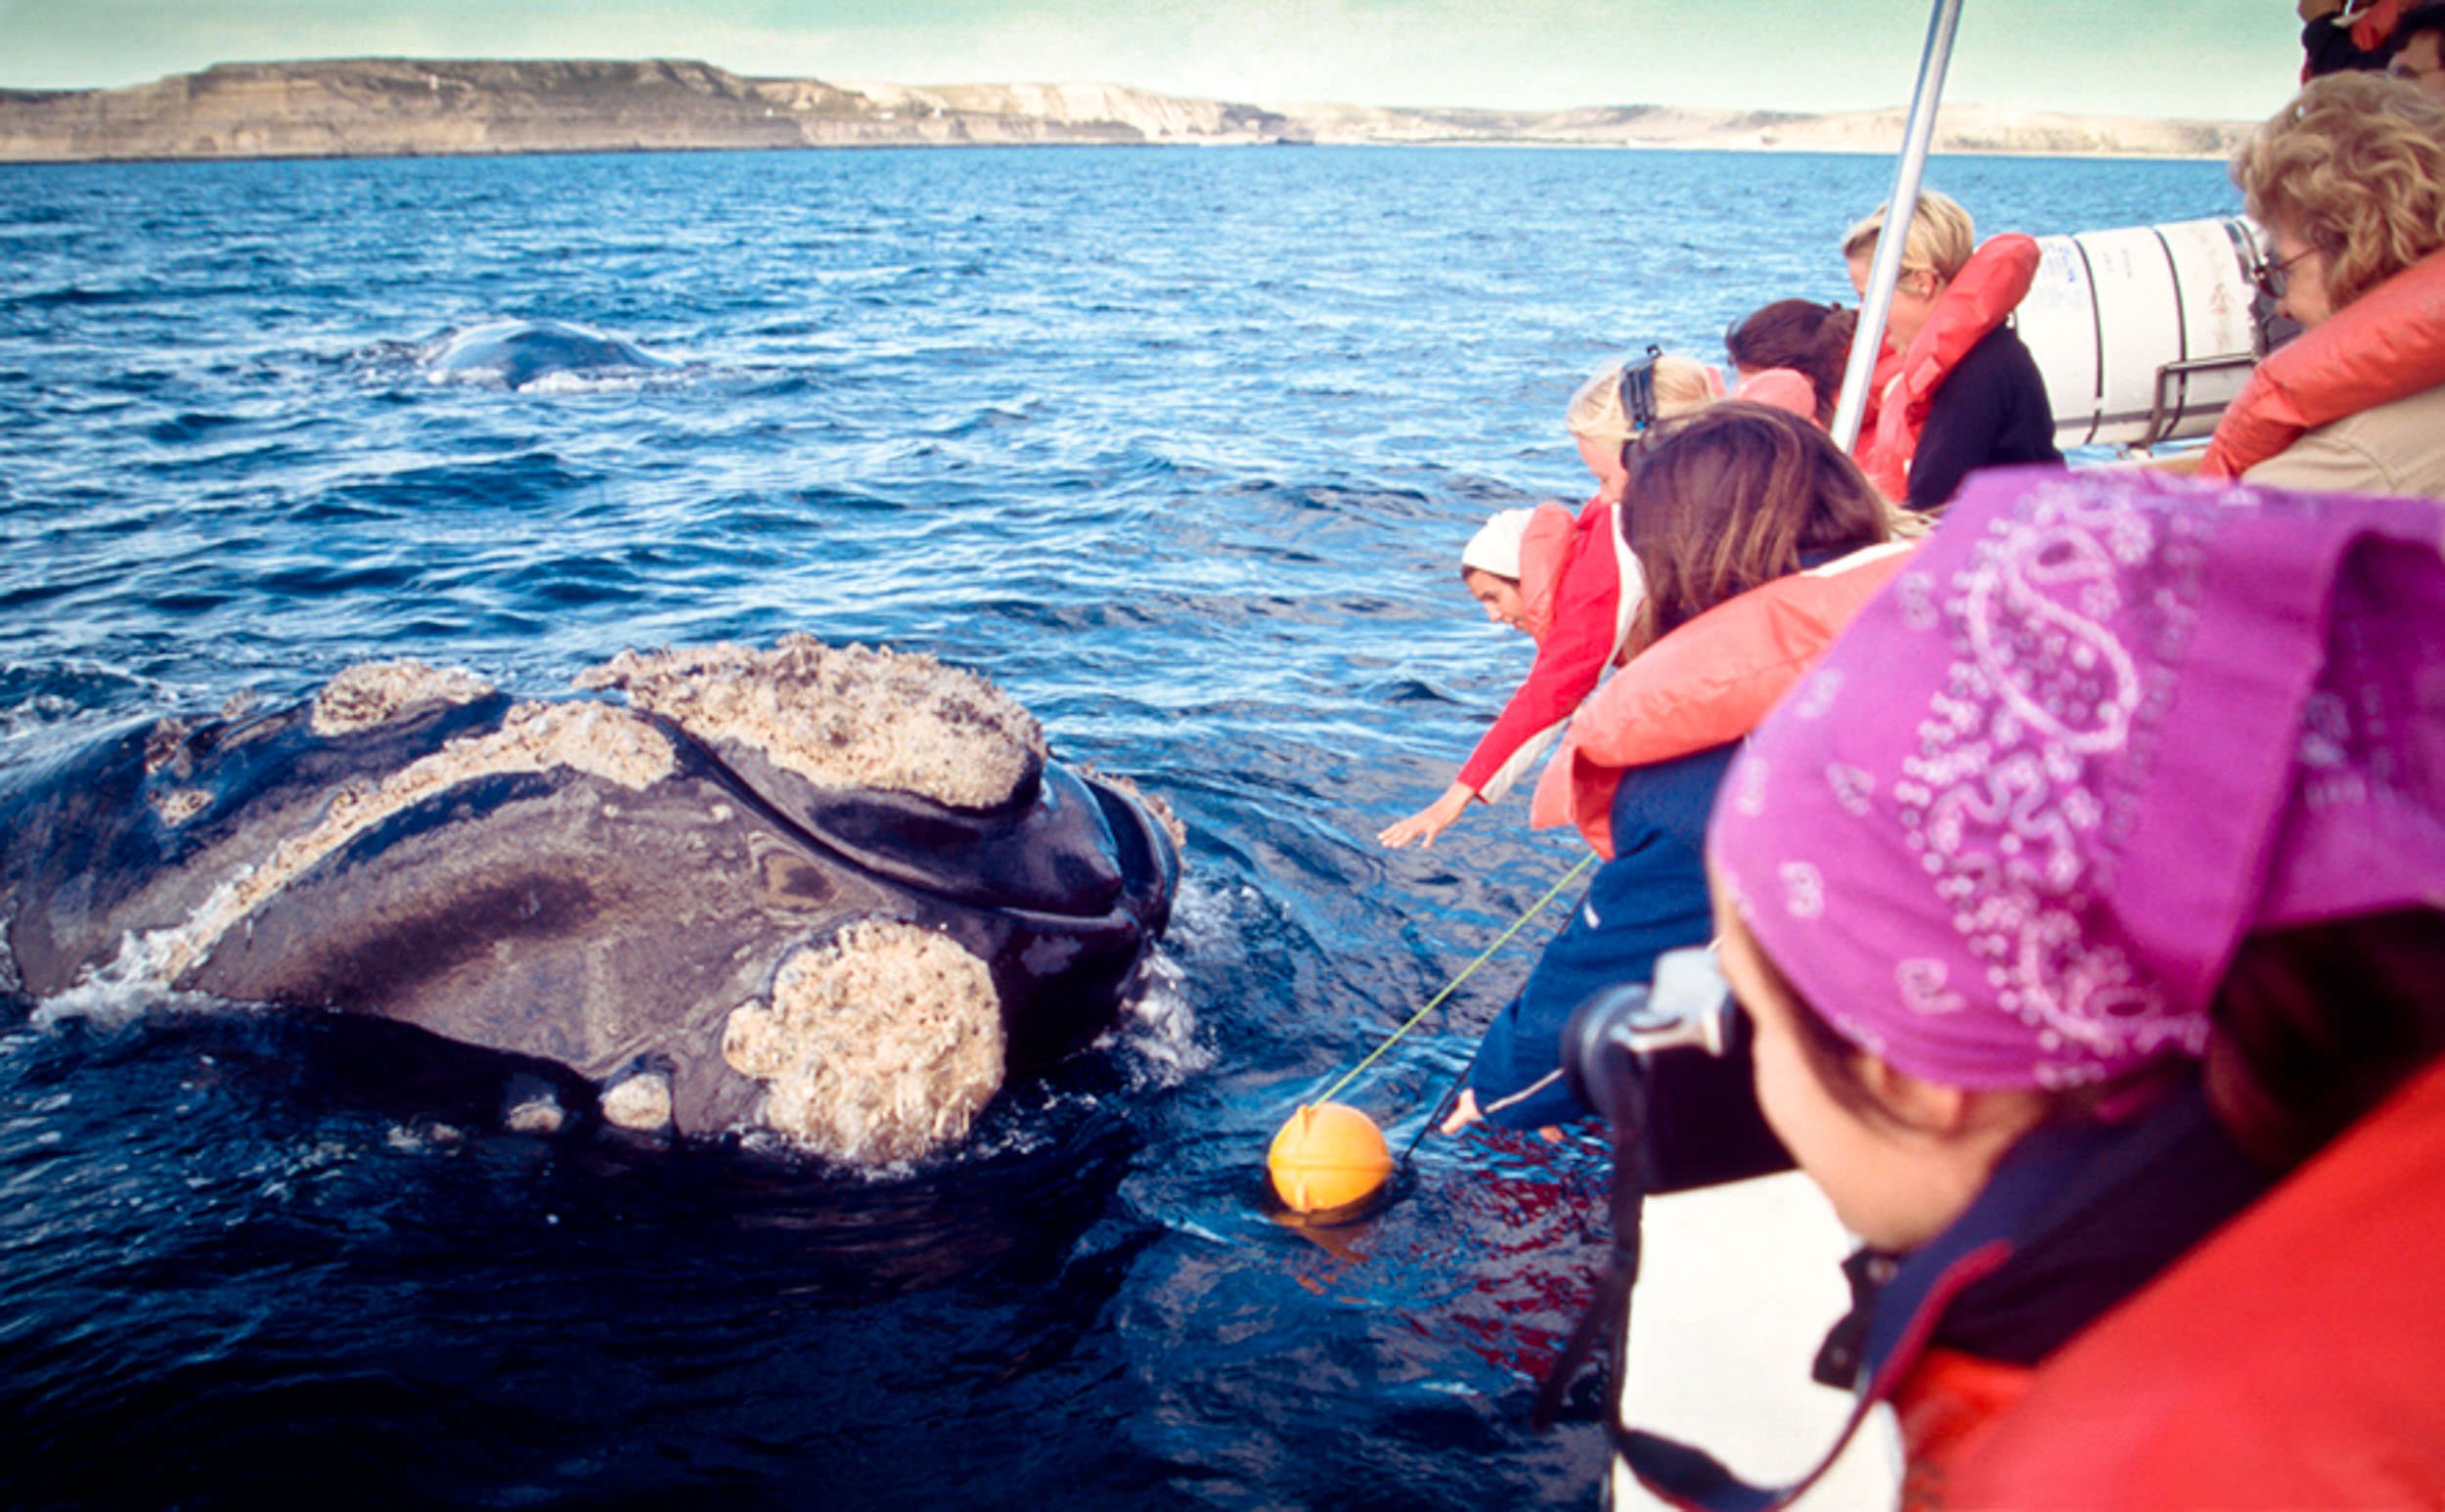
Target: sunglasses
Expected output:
[2274,278]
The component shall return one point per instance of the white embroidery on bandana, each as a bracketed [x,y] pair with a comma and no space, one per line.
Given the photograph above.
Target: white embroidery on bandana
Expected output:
[1923,988]
[1854,788]
[1749,792]
[2001,800]
[1915,592]
[1817,695]
[1804,890]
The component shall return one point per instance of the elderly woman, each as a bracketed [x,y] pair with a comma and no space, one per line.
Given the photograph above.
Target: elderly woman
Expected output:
[2349,182]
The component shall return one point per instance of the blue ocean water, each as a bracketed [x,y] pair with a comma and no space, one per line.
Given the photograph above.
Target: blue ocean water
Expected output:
[1180,447]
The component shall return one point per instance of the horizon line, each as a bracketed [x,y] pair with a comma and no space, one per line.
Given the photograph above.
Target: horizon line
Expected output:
[850,81]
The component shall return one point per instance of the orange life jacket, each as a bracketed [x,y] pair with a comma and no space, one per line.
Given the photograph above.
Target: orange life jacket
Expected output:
[2384,345]
[1781,389]
[2291,1360]
[1945,1408]
[1544,548]
[1980,297]
[1708,682]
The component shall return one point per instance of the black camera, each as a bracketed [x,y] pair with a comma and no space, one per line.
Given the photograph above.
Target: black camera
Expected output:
[1671,1058]
[1666,1061]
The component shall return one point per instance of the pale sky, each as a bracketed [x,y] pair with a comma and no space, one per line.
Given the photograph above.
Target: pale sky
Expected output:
[2234,59]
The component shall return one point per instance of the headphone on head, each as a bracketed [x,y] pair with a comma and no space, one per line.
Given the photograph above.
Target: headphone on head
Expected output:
[1638,400]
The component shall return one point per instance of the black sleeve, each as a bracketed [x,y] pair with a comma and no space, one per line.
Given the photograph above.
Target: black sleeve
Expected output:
[1963,421]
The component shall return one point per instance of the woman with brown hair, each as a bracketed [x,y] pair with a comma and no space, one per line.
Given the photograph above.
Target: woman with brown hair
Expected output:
[2349,182]
[2090,886]
[1802,336]
[1729,502]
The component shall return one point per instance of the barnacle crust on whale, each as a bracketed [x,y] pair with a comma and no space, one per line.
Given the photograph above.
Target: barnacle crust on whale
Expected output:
[374,694]
[879,1047]
[842,717]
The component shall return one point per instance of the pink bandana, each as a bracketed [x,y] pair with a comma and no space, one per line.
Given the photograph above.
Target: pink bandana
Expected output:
[2011,828]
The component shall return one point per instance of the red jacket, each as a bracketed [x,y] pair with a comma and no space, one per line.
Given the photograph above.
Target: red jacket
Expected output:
[1577,643]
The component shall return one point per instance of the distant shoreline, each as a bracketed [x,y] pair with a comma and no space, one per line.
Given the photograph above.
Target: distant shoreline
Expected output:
[7,162]
[411,108]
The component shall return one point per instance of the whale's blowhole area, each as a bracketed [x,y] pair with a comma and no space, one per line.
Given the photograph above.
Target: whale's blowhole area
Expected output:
[843,717]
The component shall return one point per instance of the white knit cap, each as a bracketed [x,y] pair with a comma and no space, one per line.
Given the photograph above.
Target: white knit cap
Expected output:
[1496,547]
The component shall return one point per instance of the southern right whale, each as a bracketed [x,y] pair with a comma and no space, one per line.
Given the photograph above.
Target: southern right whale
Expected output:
[835,892]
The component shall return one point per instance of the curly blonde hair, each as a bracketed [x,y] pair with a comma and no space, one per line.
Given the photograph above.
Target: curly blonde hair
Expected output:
[1940,239]
[1683,385]
[2355,168]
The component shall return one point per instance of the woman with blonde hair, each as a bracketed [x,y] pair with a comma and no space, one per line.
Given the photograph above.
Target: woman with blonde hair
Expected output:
[1599,417]
[1956,391]
[2350,183]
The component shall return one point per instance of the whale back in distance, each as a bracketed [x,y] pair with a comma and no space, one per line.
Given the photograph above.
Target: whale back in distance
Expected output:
[517,353]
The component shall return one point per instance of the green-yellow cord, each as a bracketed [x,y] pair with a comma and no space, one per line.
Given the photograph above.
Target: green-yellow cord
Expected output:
[1449,987]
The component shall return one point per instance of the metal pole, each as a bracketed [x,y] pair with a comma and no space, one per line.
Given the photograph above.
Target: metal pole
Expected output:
[1917,132]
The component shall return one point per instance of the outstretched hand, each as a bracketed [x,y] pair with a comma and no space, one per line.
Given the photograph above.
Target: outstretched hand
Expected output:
[1428,823]
[1463,1113]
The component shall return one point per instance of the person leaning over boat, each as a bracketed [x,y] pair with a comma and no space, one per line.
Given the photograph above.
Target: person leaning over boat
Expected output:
[1956,390]
[1567,581]
[1731,507]
[2088,886]
[2348,181]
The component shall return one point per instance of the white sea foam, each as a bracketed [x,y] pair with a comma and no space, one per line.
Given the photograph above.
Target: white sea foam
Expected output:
[1156,1033]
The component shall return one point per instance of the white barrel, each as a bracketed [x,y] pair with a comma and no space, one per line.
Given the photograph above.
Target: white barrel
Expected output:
[2144,334]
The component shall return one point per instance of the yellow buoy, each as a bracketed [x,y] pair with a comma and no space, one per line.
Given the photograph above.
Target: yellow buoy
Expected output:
[1327,1156]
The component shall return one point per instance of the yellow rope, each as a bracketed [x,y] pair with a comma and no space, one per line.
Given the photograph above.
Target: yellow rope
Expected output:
[1448,987]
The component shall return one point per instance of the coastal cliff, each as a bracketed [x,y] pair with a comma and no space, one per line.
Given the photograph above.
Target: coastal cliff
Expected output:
[418,107]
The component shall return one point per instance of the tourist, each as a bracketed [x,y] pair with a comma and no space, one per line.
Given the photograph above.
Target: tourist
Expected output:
[1960,391]
[2420,49]
[1801,337]
[2090,884]
[2336,35]
[1567,581]
[2348,181]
